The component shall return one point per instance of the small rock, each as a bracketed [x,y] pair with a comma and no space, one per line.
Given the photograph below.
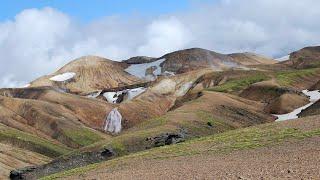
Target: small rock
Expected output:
[19,174]
[107,153]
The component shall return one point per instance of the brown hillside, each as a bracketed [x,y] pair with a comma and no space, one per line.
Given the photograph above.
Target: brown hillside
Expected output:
[92,73]
[308,57]
[251,59]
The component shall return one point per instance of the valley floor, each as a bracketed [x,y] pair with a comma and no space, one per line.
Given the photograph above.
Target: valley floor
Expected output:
[281,150]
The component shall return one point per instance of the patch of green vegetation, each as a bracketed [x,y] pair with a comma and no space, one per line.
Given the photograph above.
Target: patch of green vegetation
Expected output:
[135,139]
[205,124]
[287,78]
[118,147]
[240,139]
[239,84]
[31,142]
[214,123]
[83,136]
[155,122]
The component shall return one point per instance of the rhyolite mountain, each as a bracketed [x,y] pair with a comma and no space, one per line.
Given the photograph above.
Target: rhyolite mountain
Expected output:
[58,123]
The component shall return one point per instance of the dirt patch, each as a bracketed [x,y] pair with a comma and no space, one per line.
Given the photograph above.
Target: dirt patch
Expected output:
[286,103]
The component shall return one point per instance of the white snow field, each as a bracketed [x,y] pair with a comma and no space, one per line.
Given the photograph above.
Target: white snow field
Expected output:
[314,96]
[63,77]
[139,70]
[112,97]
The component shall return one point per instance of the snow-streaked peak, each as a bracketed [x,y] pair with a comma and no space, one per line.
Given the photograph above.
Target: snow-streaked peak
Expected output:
[63,77]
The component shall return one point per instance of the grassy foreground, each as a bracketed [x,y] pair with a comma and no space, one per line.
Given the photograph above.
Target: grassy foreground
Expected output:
[248,138]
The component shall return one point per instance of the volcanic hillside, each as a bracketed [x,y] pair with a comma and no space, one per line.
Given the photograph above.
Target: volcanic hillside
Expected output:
[191,59]
[308,57]
[88,74]
[94,109]
[251,59]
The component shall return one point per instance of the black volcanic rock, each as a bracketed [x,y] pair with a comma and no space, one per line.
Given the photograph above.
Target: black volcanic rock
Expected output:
[139,60]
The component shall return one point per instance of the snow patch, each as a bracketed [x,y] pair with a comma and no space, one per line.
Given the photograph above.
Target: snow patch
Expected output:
[128,94]
[314,96]
[63,77]
[112,96]
[284,58]
[139,70]
[113,121]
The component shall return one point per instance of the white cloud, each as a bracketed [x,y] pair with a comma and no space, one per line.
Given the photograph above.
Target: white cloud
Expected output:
[38,41]
[164,36]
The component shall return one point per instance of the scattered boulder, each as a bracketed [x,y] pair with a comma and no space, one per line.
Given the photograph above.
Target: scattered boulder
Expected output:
[19,174]
[168,138]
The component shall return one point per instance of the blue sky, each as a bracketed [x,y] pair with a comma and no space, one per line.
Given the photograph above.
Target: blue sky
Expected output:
[87,10]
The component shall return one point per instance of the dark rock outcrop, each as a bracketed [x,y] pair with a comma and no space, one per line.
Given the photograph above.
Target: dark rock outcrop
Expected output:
[63,164]
[139,60]
[168,139]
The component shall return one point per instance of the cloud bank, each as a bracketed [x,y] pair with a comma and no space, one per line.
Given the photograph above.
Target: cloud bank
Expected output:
[38,41]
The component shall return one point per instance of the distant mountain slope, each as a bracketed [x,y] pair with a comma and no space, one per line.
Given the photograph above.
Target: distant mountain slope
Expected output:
[88,74]
[251,59]
[196,58]
[308,57]
[192,59]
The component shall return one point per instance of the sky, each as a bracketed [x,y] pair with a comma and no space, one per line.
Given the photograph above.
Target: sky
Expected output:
[86,11]
[39,36]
